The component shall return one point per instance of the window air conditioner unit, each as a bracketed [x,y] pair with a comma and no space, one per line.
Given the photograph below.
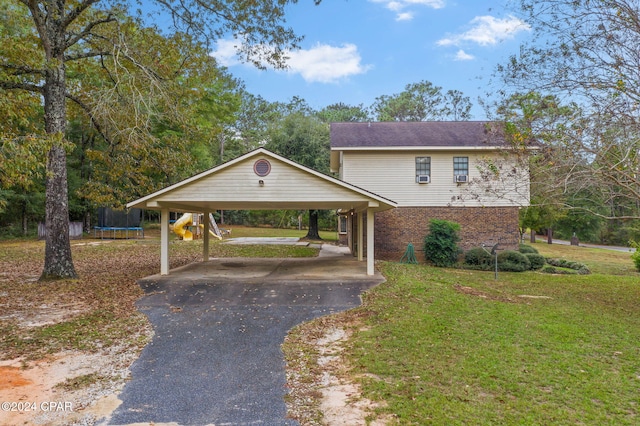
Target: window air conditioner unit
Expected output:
[462,178]
[424,179]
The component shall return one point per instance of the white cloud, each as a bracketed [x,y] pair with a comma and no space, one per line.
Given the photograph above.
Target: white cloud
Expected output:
[461,55]
[399,6]
[327,64]
[404,16]
[486,31]
[225,53]
[320,64]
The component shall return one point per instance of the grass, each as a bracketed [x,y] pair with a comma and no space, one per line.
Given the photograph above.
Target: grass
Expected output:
[244,231]
[98,309]
[433,345]
[448,346]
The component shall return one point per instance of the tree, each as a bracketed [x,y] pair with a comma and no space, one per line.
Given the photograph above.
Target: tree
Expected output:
[63,36]
[586,52]
[341,112]
[305,139]
[422,102]
[540,121]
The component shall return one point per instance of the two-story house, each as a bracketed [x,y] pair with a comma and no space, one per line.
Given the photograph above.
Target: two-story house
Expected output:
[459,171]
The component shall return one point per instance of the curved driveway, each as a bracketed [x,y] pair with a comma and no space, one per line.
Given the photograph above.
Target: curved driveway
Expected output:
[215,358]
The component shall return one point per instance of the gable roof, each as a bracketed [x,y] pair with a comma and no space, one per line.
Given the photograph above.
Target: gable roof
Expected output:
[417,134]
[237,185]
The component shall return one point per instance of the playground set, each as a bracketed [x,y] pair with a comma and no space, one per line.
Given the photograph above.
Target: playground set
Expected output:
[114,224]
[190,226]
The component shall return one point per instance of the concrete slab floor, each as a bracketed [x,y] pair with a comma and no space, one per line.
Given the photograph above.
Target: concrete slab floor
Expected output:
[333,263]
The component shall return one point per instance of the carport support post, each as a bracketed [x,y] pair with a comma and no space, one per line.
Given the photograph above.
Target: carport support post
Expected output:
[205,248]
[360,236]
[164,242]
[370,255]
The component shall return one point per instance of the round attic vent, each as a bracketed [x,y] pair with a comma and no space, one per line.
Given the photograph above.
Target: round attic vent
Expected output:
[262,167]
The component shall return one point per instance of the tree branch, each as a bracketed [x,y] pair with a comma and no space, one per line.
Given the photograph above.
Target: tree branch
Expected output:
[87,30]
[81,7]
[84,55]
[21,69]
[8,85]
[88,111]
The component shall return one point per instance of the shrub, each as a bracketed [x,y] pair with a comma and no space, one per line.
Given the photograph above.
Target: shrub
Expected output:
[513,261]
[580,268]
[636,254]
[537,260]
[440,245]
[548,269]
[524,248]
[479,257]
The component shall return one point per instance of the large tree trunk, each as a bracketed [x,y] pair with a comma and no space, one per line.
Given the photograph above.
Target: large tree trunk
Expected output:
[57,261]
[313,233]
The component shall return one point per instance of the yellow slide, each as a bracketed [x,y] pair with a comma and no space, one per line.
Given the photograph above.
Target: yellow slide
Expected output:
[180,227]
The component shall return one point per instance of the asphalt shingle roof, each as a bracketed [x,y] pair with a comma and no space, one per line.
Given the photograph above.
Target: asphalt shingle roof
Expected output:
[417,134]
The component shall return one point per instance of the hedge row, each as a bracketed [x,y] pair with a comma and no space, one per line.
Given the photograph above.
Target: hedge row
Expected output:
[526,258]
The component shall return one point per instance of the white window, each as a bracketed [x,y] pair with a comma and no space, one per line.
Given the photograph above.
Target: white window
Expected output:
[460,169]
[423,169]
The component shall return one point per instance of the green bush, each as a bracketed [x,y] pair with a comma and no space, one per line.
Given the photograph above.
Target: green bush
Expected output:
[513,261]
[548,269]
[479,258]
[524,248]
[537,260]
[580,268]
[440,245]
[636,254]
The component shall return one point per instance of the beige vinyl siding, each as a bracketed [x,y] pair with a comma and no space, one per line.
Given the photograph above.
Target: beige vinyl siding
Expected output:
[239,183]
[392,175]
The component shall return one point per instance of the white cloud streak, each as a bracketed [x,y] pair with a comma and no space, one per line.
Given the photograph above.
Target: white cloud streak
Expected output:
[399,6]
[461,55]
[487,31]
[320,64]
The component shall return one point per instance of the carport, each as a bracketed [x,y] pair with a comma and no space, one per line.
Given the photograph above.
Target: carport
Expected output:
[262,180]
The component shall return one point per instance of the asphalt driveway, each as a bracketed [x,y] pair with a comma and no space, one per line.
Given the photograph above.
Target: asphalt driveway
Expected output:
[215,358]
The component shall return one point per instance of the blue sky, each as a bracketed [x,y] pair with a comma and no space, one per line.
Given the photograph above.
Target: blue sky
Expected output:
[357,50]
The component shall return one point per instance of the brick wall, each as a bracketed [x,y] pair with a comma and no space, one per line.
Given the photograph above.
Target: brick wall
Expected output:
[396,228]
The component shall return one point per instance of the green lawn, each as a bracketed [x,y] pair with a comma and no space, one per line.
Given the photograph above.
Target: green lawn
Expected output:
[243,231]
[457,347]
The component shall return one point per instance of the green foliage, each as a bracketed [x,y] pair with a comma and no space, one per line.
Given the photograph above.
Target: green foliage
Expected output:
[548,269]
[536,260]
[513,261]
[525,248]
[440,245]
[479,258]
[303,139]
[422,101]
[341,112]
[636,254]
[580,268]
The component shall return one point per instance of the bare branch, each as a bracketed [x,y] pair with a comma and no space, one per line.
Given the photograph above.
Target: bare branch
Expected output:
[75,38]
[89,113]
[85,55]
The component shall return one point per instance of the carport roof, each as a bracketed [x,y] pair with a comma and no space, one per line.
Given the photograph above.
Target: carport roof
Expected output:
[262,180]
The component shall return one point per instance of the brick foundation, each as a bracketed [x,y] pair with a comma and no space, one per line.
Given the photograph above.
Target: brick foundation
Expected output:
[396,228]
